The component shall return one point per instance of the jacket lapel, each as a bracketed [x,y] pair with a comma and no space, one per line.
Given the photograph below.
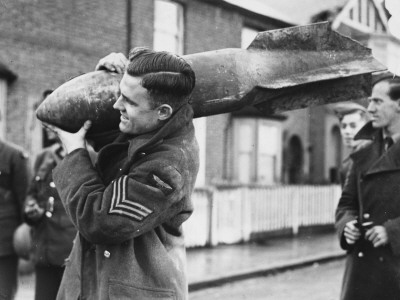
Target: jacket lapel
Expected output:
[372,159]
[388,161]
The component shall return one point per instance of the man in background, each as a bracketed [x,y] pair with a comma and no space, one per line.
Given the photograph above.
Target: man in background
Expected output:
[352,117]
[52,230]
[14,181]
[368,213]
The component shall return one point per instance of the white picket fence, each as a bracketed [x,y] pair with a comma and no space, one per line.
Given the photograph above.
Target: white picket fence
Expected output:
[232,215]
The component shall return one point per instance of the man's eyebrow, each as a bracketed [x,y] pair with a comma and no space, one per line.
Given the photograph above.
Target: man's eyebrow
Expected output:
[127,99]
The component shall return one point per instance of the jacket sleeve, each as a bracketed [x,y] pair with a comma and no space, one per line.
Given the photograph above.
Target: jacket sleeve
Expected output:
[348,206]
[20,178]
[393,231]
[33,190]
[129,206]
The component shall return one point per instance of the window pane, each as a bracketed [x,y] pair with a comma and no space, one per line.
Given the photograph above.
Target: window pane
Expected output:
[168,26]
[266,169]
[166,16]
[245,150]
[268,151]
[164,42]
[268,139]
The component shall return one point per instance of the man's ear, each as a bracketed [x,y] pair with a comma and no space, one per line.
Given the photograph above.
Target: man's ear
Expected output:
[164,112]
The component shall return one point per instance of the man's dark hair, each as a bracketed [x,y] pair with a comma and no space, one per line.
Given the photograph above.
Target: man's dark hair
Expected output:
[394,83]
[168,78]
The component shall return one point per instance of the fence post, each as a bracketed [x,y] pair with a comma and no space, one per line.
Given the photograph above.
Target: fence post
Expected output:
[295,211]
[246,214]
[213,217]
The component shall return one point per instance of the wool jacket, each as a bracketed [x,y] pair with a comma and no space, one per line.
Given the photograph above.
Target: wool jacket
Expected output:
[372,193]
[14,181]
[129,212]
[53,234]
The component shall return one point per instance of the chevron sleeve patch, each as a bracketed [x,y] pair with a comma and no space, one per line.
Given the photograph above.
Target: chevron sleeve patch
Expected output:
[122,206]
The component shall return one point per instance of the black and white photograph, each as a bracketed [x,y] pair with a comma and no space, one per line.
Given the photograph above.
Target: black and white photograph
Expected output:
[200,149]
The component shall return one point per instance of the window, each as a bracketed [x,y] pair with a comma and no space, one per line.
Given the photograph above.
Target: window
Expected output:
[248,35]
[3,107]
[168,26]
[257,150]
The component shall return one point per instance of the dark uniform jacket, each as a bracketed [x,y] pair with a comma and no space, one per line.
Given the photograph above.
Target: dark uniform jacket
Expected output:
[346,163]
[14,181]
[129,213]
[53,234]
[372,193]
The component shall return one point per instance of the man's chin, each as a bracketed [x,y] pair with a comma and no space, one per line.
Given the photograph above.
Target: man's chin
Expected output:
[376,124]
[123,128]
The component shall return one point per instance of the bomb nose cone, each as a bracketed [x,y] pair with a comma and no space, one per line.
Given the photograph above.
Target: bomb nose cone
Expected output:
[89,96]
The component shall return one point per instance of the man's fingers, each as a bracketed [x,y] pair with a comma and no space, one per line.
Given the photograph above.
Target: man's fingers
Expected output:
[50,127]
[86,126]
[114,62]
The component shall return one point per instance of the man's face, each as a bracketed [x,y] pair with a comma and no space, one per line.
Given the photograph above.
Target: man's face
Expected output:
[137,114]
[349,126]
[384,111]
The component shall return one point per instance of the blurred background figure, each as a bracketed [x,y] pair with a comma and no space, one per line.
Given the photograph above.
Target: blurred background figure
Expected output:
[14,180]
[52,230]
[352,118]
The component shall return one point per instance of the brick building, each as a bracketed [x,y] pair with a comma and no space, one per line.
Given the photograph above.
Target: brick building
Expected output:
[43,43]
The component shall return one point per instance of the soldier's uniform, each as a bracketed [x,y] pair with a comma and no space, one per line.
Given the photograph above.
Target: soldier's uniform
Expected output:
[14,180]
[129,213]
[53,233]
[372,193]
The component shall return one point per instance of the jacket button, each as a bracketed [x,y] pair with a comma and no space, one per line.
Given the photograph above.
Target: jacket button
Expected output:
[107,254]
[37,178]
[381,259]
[360,254]
[366,216]
[52,184]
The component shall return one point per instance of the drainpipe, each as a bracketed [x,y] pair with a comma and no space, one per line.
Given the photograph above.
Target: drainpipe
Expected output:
[128,25]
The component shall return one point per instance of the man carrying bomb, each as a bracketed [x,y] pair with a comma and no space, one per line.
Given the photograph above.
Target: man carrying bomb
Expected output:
[129,208]
[368,213]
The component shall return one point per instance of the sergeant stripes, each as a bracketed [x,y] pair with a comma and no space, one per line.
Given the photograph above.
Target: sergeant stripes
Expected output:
[125,207]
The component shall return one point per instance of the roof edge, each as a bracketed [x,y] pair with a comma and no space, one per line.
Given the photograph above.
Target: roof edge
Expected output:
[246,12]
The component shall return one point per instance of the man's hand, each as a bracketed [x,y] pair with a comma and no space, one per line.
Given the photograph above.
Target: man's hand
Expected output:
[33,210]
[72,141]
[377,235]
[113,62]
[351,232]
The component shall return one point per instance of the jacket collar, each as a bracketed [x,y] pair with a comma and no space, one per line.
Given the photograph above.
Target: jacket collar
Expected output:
[368,132]
[372,159]
[180,121]
[177,124]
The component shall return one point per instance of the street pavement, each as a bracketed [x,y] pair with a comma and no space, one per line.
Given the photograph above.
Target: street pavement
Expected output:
[316,282]
[226,263]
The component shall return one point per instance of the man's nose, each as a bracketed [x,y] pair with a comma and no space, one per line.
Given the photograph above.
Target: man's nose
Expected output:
[117,104]
[371,107]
